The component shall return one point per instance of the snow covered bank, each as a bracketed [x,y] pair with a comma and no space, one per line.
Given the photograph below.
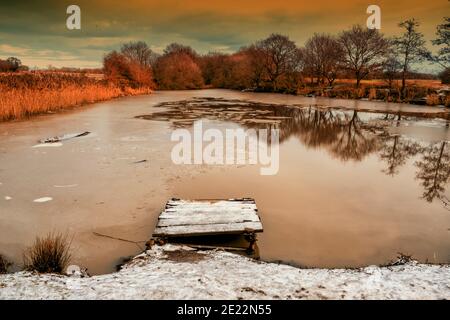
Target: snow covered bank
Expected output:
[172,272]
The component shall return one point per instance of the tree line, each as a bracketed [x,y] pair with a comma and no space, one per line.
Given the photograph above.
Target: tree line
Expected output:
[12,64]
[277,64]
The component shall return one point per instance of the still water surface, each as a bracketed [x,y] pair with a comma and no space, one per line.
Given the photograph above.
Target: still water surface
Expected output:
[354,187]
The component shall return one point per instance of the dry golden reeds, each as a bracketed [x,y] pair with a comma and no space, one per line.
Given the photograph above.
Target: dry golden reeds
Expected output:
[23,95]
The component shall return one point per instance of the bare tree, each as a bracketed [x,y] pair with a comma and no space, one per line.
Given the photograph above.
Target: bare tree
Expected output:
[323,54]
[256,64]
[180,48]
[391,67]
[364,50]
[139,52]
[410,47]
[443,40]
[14,62]
[281,56]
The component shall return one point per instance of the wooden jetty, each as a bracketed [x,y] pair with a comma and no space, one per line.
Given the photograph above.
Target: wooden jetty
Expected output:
[186,218]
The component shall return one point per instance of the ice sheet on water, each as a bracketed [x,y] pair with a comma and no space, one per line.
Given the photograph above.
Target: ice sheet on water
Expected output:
[43,199]
[43,145]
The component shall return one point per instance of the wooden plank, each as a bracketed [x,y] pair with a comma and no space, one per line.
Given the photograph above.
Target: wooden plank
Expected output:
[230,205]
[207,214]
[208,208]
[208,229]
[211,202]
[208,218]
[204,212]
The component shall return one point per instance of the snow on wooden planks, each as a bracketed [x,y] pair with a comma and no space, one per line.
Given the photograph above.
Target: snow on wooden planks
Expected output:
[183,218]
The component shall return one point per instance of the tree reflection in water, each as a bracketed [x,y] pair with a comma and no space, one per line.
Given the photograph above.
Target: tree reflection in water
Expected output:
[434,171]
[341,133]
[395,151]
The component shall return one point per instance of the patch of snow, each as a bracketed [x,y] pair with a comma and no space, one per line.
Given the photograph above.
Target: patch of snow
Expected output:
[66,186]
[76,271]
[73,269]
[169,272]
[43,199]
[44,145]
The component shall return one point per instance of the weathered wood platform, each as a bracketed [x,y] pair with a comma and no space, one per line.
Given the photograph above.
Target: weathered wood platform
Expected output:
[182,218]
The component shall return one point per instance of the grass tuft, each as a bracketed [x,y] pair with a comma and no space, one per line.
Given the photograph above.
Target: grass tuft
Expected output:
[4,264]
[50,254]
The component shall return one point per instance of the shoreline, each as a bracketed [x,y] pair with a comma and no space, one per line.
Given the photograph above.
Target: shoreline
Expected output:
[111,132]
[180,272]
[424,111]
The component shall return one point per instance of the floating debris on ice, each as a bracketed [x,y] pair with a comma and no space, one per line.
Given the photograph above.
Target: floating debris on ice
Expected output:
[64,137]
[140,161]
[65,186]
[133,139]
[44,199]
[41,145]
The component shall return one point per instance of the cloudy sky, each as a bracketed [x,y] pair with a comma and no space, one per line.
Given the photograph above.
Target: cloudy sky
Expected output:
[35,31]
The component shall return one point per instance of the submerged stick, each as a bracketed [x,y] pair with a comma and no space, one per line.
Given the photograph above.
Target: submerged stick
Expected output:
[120,239]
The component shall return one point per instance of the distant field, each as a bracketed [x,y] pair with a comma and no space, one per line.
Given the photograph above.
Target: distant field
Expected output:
[434,84]
[96,76]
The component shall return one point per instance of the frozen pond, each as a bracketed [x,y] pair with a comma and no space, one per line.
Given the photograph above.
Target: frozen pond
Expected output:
[353,188]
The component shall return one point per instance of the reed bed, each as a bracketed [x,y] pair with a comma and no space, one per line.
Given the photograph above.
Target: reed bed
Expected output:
[23,95]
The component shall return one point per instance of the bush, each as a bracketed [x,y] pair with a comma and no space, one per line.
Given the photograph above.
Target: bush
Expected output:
[445,76]
[413,93]
[50,254]
[4,264]
[178,71]
[126,73]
